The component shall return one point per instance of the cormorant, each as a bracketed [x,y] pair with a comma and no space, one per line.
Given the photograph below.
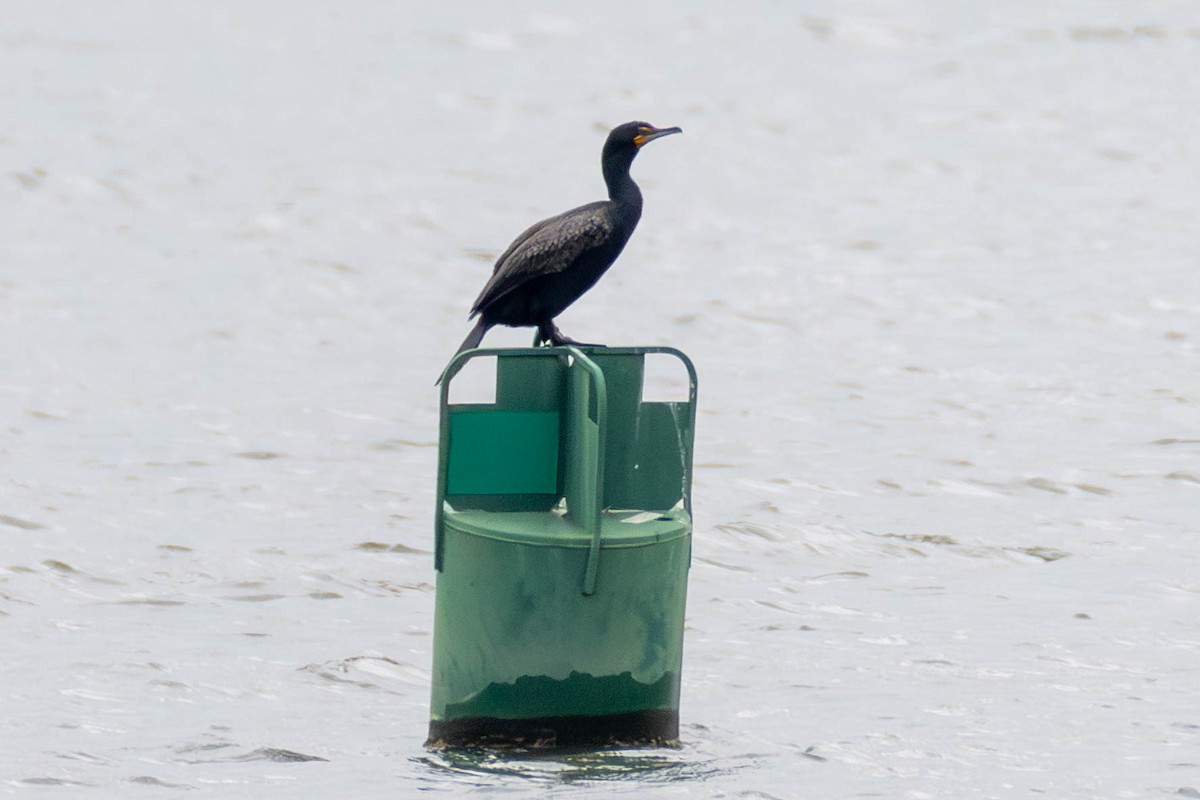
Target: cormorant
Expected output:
[555,261]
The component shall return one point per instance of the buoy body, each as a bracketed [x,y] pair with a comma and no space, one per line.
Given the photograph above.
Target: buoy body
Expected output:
[563,544]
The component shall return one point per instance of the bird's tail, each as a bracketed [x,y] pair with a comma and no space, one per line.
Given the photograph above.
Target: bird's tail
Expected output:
[470,343]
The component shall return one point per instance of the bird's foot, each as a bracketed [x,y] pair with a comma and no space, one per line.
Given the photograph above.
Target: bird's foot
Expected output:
[562,341]
[549,334]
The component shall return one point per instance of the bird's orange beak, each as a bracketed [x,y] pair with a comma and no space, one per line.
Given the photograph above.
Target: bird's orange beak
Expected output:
[648,134]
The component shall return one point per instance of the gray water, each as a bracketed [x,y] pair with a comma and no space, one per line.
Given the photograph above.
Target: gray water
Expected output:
[935,262]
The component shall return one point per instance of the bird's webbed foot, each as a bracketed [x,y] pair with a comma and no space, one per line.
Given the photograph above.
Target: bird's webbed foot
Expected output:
[549,334]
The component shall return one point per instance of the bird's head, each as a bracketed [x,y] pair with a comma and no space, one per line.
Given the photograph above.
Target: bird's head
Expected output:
[621,147]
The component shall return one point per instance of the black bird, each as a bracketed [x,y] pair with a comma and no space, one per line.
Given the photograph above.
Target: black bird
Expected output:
[555,261]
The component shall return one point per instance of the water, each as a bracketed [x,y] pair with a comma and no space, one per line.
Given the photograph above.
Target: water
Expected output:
[935,263]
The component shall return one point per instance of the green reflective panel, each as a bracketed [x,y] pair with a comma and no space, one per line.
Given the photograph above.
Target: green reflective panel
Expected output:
[503,452]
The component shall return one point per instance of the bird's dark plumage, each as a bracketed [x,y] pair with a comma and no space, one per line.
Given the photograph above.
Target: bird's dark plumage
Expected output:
[556,260]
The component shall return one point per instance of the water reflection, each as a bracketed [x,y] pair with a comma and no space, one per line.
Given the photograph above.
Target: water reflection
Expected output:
[658,765]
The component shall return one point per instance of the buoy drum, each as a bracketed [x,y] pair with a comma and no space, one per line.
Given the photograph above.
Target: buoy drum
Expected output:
[516,639]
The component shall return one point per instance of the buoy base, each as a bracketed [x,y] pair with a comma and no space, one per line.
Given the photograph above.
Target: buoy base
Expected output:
[659,728]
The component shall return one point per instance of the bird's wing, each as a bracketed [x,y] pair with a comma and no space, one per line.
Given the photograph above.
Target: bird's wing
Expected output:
[546,247]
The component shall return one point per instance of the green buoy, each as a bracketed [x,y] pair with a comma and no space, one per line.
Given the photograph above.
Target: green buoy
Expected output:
[563,532]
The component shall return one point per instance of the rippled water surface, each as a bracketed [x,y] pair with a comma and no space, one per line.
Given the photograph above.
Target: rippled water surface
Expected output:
[936,267]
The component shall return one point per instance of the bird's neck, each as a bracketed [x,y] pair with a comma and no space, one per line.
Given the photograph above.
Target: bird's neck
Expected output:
[621,188]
